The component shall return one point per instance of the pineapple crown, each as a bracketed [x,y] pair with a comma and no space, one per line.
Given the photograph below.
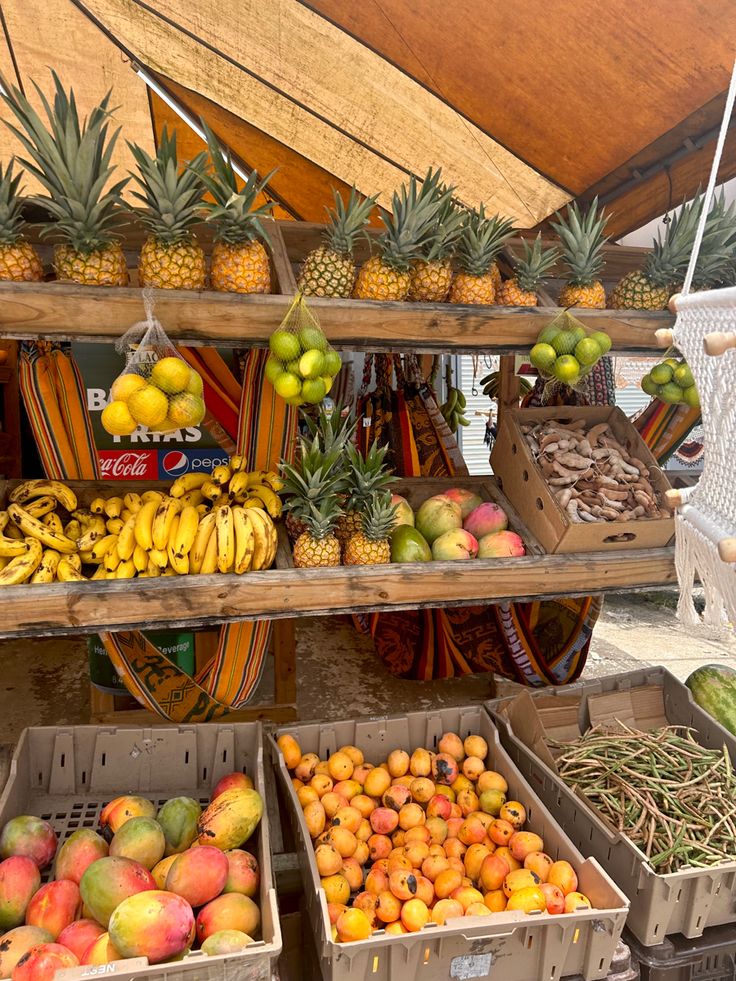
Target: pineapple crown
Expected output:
[534,262]
[172,196]
[334,430]
[11,220]
[379,516]
[409,227]
[233,211]
[581,235]
[348,221]
[315,478]
[366,474]
[448,224]
[714,266]
[72,161]
[666,263]
[321,519]
[481,240]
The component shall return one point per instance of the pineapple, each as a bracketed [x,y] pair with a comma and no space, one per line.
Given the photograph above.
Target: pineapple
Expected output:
[482,239]
[330,270]
[365,476]
[317,546]
[240,262]
[313,487]
[371,545]
[582,239]
[431,275]
[171,257]
[72,162]
[521,289]
[19,261]
[388,276]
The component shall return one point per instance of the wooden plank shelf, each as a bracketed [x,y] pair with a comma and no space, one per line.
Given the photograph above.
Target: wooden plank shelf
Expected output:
[60,311]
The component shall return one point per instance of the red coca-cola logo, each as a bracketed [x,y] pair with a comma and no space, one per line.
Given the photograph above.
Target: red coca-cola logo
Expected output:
[129,464]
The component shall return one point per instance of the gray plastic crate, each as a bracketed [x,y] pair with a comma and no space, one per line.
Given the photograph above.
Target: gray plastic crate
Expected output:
[711,957]
[684,902]
[66,775]
[511,946]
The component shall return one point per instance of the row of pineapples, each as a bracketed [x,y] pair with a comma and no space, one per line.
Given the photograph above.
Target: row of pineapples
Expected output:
[71,160]
[338,502]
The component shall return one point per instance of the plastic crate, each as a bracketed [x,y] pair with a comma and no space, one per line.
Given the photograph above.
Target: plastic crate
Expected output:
[66,775]
[512,946]
[711,957]
[688,901]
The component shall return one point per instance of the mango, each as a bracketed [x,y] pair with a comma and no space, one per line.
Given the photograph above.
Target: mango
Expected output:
[55,906]
[226,942]
[243,873]
[198,875]
[42,962]
[101,951]
[232,781]
[178,819]
[15,943]
[140,839]
[229,912]
[77,853]
[231,819]
[80,935]
[160,871]
[108,881]
[153,924]
[19,880]
[114,815]
[30,836]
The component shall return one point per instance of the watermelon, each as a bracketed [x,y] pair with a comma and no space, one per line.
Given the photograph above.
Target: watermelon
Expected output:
[714,689]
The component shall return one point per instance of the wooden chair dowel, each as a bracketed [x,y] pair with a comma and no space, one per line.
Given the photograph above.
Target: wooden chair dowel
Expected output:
[674,498]
[719,342]
[664,337]
[672,305]
[727,549]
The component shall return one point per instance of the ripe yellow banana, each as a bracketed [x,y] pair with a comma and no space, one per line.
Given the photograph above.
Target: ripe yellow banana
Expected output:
[209,563]
[126,538]
[15,533]
[202,509]
[75,560]
[126,570]
[140,559]
[125,514]
[188,482]
[152,495]
[192,498]
[237,462]
[221,474]
[238,484]
[159,557]
[86,557]
[37,529]
[112,560]
[41,506]
[201,541]
[23,566]
[115,525]
[114,507]
[162,521]
[54,522]
[270,499]
[179,563]
[99,573]
[168,571]
[98,505]
[132,502]
[244,541]
[255,477]
[10,547]
[93,530]
[39,488]
[272,479]
[65,572]
[100,548]
[4,560]
[46,571]
[144,525]
[182,537]
[266,540]
[225,538]
[211,490]
[152,570]
[72,529]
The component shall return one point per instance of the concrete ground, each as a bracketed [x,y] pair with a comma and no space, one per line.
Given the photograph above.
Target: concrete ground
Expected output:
[45,682]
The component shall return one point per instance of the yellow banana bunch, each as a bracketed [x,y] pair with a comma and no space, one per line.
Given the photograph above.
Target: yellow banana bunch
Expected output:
[54,522]
[268,497]
[244,541]
[152,495]
[192,497]
[221,475]
[10,547]
[100,548]
[140,559]
[144,524]
[93,529]
[188,482]
[35,528]
[265,539]
[66,572]
[46,571]
[41,506]
[209,562]
[132,502]
[126,570]
[22,567]
[127,542]
[97,506]
[201,541]
[41,488]
[113,507]
[163,520]
[115,525]
[181,538]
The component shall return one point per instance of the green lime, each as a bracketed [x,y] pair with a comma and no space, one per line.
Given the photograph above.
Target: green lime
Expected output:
[648,386]
[312,337]
[670,393]
[312,364]
[284,345]
[587,351]
[661,373]
[547,333]
[683,376]
[313,390]
[543,356]
[602,340]
[690,397]
[293,366]
[287,385]
[566,369]
[672,362]
[567,340]
[333,362]
[328,380]
[273,369]
[295,400]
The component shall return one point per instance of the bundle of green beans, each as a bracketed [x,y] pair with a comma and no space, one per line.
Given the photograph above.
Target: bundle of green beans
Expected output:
[672,797]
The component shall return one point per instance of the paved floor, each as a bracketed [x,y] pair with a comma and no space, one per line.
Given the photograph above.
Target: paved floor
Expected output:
[44,682]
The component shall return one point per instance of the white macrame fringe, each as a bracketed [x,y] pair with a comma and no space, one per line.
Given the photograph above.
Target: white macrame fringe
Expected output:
[696,556]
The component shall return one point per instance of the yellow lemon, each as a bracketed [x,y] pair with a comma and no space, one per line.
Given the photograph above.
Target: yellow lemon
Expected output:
[287,385]
[171,375]
[566,369]
[543,356]
[148,406]
[124,386]
[117,420]
[328,380]
[196,385]
[333,362]
[312,364]
[186,410]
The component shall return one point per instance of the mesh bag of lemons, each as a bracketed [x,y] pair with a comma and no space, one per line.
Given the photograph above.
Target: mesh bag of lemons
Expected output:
[672,381]
[158,389]
[565,351]
[302,366]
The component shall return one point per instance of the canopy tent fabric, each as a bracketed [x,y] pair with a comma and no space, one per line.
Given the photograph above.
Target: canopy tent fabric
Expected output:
[525,106]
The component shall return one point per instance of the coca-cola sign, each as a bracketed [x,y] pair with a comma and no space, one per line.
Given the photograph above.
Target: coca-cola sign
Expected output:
[129,464]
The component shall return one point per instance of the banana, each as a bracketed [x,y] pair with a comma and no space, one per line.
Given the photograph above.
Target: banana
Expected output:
[192,498]
[179,563]
[125,514]
[261,544]
[126,570]
[54,522]
[221,474]
[168,571]
[209,563]
[210,489]
[40,488]
[144,525]
[100,548]
[140,559]
[132,502]
[114,525]
[152,570]
[269,529]
[23,566]
[238,484]
[113,507]
[201,540]
[10,547]
[86,558]
[219,501]
[159,557]
[112,560]
[152,495]
[37,529]
[46,571]
[182,536]
[15,533]
[4,560]
[188,482]
[252,502]
[72,529]
[41,506]
[237,462]
[93,530]
[98,505]
[244,541]
[202,509]
[65,572]
[100,572]
[126,538]
[75,561]
[225,538]
[270,498]
[162,521]
[273,480]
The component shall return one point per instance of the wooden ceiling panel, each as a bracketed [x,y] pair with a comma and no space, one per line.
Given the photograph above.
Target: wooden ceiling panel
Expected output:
[575,88]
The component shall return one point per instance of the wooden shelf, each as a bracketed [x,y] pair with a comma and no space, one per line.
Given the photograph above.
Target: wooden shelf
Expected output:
[59,311]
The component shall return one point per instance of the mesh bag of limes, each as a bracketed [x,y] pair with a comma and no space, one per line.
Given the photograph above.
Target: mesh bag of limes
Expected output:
[565,351]
[302,365]
[672,381]
[158,389]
